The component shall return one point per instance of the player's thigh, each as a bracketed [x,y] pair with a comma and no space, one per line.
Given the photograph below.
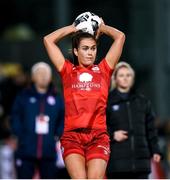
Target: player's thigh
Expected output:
[96,168]
[75,164]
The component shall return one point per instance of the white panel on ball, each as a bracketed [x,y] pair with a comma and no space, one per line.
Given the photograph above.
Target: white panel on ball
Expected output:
[87,22]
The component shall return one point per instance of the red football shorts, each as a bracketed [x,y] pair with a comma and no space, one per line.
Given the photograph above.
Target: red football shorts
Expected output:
[89,143]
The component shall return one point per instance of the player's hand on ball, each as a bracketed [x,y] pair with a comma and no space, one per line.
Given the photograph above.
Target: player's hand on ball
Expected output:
[87,22]
[99,32]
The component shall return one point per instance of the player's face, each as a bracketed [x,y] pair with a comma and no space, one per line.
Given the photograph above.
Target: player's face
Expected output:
[86,52]
[124,78]
[42,77]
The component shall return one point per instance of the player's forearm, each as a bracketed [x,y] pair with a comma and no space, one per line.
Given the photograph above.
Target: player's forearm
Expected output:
[55,36]
[114,33]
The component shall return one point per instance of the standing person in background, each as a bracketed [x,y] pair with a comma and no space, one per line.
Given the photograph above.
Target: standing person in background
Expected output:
[85,142]
[130,122]
[8,145]
[37,121]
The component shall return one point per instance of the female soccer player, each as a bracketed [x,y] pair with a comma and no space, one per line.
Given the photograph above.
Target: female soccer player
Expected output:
[85,143]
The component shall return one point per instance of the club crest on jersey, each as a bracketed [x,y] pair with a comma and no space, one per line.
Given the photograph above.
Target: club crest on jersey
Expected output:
[96,69]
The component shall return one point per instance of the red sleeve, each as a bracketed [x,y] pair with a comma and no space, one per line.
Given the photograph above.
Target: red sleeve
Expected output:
[67,67]
[106,71]
[105,67]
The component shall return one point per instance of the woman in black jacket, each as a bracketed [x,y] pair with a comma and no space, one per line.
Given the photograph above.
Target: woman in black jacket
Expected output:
[130,122]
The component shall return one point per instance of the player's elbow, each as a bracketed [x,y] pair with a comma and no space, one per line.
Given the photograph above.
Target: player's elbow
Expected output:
[122,37]
[45,40]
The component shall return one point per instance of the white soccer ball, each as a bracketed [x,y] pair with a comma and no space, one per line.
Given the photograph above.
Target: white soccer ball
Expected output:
[87,22]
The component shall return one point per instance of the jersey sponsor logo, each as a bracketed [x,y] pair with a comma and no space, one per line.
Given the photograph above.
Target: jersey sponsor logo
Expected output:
[85,77]
[85,81]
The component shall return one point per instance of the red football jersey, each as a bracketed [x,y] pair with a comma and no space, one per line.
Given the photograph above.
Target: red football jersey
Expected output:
[85,94]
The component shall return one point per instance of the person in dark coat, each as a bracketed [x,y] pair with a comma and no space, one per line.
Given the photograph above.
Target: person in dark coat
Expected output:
[130,123]
[37,120]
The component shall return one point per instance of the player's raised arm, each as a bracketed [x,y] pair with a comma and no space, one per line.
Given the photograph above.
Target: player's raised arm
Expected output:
[116,48]
[50,42]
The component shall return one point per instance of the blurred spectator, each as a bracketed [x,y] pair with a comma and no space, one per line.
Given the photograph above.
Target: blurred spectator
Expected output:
[164,135]
[7,146]
[7,142]
[13,80]
[62,171]
[37,122]
[130,122]
[19,32]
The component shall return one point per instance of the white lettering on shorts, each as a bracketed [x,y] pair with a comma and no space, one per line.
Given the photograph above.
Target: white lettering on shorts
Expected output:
[106,150]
